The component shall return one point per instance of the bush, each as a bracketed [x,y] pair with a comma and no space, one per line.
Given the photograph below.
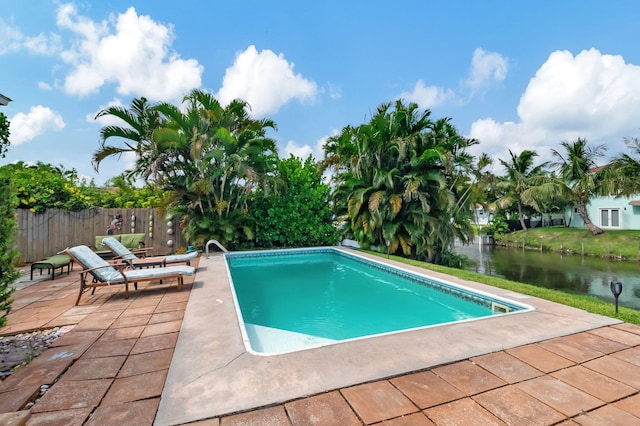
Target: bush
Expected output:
[299,214]
[8,253]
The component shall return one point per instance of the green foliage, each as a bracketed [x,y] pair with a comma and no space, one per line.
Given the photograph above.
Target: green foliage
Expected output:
[4,135]
[498,224]
[399,182]
[209,159]
[576,165]
[8,274]
[120,193]
[521,175]
[43,186]
[297,215]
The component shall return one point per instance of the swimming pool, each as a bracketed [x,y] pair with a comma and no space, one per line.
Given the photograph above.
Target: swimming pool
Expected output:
[289,300]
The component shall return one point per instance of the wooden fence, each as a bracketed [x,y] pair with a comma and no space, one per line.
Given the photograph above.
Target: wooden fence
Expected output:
[45,234]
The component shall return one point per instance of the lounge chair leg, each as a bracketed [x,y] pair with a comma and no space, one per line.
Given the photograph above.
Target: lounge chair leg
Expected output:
[81,289]
[79,295]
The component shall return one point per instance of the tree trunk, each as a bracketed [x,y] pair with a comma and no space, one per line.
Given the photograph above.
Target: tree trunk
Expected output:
[521,217]
[582,212]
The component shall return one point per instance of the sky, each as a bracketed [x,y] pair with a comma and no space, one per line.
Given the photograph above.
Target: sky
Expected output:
[513,75]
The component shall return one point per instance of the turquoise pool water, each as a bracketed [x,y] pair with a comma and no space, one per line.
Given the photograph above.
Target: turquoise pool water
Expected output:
[294,299]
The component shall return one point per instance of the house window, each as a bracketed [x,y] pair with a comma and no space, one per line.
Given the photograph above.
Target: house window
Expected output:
[610,218]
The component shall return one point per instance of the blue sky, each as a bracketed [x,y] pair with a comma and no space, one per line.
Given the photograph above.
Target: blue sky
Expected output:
[515,76]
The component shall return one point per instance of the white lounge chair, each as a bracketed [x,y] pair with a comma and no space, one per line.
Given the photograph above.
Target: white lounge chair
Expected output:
[97,272]
[125,254]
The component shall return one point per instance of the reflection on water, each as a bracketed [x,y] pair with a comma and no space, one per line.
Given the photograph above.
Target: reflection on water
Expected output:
[573,274]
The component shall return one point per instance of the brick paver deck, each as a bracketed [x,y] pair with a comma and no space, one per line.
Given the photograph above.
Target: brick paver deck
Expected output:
[110,369]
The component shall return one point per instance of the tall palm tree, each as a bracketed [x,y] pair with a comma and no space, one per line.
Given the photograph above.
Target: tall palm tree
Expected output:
[212,158]
[520,175]
[390,181]
[623,173]
[140,120]
[481,190]
[581,175]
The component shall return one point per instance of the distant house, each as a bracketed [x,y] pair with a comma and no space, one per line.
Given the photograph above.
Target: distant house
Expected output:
[609,213]
[482,216]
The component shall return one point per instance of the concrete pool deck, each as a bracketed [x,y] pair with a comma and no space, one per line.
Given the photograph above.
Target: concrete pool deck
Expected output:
[212,374]
[113,366]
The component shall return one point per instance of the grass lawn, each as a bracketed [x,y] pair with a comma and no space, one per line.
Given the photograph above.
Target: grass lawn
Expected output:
[587,303]
[623,244]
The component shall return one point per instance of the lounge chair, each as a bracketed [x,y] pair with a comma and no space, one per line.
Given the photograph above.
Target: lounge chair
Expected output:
[125,254]
[97,272]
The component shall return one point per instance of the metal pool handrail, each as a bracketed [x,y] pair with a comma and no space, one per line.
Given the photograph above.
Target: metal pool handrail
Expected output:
[220,246]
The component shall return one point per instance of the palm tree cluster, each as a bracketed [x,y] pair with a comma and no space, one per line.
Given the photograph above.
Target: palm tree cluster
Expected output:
[207,158]
[571,180]
[401,182]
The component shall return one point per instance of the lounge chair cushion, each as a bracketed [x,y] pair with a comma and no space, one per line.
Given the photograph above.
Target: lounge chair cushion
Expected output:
[131,241]
[89,259]
[124,253]
[176,258]
[150,273]
[111,243]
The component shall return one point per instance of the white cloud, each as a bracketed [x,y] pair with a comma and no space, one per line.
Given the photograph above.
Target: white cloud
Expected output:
[12,40]
[39,119]
[129,159]
[427,96]
[590,95]
[266,81]
[44,86]
[303,151]
[132,51]
[335,92]
[486,68]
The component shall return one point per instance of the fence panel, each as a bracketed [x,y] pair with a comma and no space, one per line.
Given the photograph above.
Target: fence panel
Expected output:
[45,234]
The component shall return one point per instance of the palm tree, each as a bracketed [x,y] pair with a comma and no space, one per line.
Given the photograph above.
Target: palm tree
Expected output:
[581,175]
[623,173]
[481,189]
[390,181]
[520,175]
[212,159]
[140,120]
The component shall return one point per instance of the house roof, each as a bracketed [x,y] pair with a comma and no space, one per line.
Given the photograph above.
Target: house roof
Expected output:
[4,100]
[634,203]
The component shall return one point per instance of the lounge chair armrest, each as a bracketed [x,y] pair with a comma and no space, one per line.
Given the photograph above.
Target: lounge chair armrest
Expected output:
[117,266]
[142,251]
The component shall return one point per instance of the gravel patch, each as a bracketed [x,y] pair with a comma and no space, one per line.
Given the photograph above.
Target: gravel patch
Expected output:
[20,349]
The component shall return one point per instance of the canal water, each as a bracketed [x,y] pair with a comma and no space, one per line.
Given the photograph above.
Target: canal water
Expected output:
[569,273]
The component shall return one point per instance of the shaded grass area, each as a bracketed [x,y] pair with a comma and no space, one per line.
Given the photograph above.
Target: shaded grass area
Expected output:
[585,302]
[624,244]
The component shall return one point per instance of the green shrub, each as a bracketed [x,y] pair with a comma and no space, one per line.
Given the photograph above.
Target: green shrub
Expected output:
[297,215]
[8,253]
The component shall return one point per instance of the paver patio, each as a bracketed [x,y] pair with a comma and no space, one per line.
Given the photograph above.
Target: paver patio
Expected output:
[112,367]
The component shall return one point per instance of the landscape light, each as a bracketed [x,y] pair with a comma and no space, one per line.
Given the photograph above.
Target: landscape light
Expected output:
[616,289]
